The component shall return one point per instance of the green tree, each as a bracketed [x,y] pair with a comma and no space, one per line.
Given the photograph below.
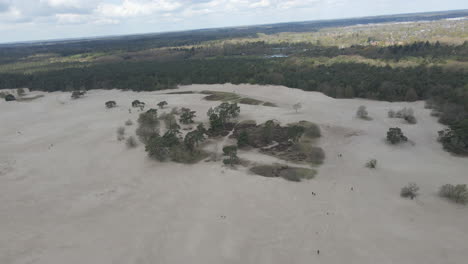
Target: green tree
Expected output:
[187,116]
[243,139]
[231,153]
[162,104]
[395,136]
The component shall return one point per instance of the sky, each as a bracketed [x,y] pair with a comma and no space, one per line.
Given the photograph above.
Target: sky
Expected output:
[25,20]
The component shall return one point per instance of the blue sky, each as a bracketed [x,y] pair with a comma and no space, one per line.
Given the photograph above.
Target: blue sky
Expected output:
[22,20]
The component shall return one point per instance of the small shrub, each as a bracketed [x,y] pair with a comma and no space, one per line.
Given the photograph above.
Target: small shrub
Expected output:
[77,94]
[121,133]
[162,104]
[457,193]
[3,95]
[371,164]
[10,97]
[395,136]
[131,142]
[111,104]
[231,153]
[129,122]
[411,119]
[362,113]
[243,139]
[409,191]
[391,114]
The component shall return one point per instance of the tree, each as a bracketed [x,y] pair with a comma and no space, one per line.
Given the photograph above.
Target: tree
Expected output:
[162,104]
[362,113]
[10,97]
[111,104]
[267,131]
[216,124]
[297,106]
[159,147]
[410,190]
[455,138]
[225,112]
[395,136]
[148,125]
[129,122]
[138,104]
[295,132]
[243,139]
[457,193]
[187,116]
[231,153]
[411,95]
[193,138]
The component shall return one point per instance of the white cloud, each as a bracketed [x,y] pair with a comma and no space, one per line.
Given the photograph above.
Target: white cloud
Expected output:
[132,8]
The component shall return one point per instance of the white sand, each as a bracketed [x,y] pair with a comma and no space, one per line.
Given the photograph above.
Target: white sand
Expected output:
[71,193]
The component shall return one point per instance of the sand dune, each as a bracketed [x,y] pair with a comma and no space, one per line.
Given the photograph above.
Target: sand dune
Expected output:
[70,192]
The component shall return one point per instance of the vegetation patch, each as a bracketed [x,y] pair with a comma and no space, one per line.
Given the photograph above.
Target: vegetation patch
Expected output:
[250,101]
[184,92]
[220,96]
[456,193]
[269,104]
[286,172]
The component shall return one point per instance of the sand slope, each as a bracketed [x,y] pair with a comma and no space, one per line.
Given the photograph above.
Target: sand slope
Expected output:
[71,193]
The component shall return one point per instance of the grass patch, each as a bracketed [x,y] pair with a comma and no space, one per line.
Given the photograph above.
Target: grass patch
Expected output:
[269,104]
[288,173]
[250,101]
[184,92]
[220,96]
[312,130]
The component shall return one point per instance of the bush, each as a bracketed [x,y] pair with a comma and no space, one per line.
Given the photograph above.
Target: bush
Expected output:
[405,113]
[111,104]
[10,97]
[455,139]
[371,164]
[77,94]
[362,113]
[395,136]
[187,116]
[129,122]
[457,193]
[162,104]
[231,152]
[121,133]
[243,139]
[316,155]
[409,191]
[131,142]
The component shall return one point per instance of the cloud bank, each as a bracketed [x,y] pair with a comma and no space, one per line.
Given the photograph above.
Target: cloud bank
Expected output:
[40,19]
